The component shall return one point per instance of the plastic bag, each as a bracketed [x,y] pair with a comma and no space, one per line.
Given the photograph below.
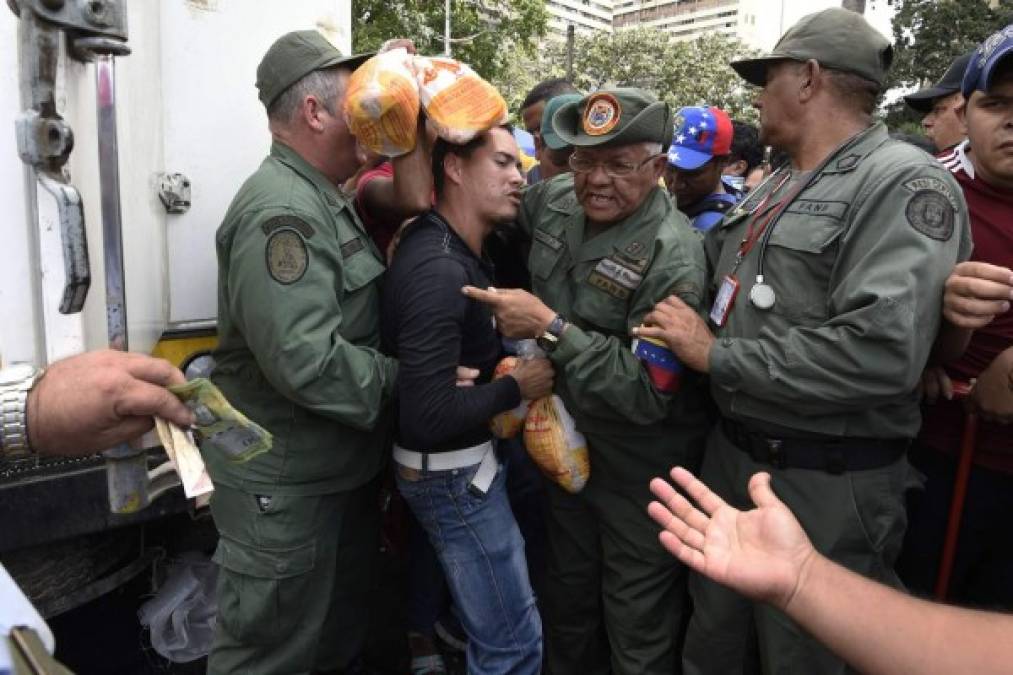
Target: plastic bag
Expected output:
[181,616]
[459,103]
[382,103]
[555,445]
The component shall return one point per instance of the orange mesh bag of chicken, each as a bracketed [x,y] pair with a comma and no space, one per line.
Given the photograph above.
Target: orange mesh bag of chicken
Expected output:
[382,103]
[457,101]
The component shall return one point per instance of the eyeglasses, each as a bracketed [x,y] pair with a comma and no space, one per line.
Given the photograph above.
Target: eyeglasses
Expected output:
[612,168]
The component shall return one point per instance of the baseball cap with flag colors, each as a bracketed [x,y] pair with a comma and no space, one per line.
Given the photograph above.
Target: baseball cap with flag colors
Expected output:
[701,133]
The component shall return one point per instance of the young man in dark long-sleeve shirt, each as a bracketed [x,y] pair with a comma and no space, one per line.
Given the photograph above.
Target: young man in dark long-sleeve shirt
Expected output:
[446,466]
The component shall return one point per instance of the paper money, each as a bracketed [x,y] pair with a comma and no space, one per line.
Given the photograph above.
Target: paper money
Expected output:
[220,427]
[185,459]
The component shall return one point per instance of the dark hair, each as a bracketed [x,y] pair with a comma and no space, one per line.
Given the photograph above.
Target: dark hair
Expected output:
[547,89]
[745,145]
[443,148]
[858,92]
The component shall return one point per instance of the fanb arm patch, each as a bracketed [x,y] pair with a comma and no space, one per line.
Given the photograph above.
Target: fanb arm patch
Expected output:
[931,213]
[931,209]
[286,255]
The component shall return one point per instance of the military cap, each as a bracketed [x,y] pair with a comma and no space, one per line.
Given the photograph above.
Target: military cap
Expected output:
[614,117]
[985,61]
[295,55]
[549,137]
[923,99]
[836,38]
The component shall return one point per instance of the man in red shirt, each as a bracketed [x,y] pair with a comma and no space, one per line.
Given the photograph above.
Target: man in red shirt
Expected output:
[983,165]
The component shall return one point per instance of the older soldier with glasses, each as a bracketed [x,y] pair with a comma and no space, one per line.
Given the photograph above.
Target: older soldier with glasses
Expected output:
[607,243]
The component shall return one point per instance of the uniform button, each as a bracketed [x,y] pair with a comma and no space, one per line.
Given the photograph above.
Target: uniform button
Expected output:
[726,342]
[454,472]
[280,567]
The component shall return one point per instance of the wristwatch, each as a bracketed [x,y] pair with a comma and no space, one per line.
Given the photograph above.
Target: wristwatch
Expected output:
[549,340]
[15,383]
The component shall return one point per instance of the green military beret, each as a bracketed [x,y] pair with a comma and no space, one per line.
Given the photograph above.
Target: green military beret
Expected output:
[614,117]
[295,55]
[836,38]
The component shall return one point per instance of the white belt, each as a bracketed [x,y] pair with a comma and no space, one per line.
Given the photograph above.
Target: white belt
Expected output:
[454,459]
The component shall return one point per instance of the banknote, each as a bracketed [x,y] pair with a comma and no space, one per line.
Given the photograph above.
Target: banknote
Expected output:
[220,427]
[185,459]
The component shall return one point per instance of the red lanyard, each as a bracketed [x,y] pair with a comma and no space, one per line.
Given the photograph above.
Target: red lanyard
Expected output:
[754,232]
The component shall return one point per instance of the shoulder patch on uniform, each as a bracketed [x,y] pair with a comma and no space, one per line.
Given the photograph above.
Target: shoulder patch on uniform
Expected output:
[933,184]
[931,213]
[286,256]
[292,222]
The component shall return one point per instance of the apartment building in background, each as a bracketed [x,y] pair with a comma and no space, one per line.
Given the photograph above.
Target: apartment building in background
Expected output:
[587,16]
[758,23]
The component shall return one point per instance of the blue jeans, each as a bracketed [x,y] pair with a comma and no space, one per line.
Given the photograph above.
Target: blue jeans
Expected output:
[482,553]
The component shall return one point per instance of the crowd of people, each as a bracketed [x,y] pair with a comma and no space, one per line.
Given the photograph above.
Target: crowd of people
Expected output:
[839,310]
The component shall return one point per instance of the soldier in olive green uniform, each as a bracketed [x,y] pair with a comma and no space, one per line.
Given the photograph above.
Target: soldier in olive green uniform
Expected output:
[607,243]
[828,283]
[299,331]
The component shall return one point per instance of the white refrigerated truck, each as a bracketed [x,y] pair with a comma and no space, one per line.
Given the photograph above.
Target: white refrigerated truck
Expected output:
[126,126]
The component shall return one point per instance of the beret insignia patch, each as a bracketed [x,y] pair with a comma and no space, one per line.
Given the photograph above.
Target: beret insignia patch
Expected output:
[931,213]
[286,255]
[601,115]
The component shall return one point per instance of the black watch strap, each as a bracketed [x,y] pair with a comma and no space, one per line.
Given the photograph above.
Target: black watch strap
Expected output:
[556,326]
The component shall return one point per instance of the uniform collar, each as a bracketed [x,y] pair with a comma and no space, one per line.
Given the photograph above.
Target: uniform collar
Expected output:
[295,161]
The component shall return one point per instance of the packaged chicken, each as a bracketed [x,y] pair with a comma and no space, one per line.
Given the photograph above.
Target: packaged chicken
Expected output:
[508,424]
[458,102]
[555,445]
[382,103]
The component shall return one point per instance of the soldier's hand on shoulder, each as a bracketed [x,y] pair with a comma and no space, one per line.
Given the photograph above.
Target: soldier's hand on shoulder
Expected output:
[682,329]
[975,293]
[93,401]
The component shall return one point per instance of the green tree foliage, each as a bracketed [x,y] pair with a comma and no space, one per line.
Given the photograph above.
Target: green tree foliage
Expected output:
[683,73]
[929,34]
[492,33]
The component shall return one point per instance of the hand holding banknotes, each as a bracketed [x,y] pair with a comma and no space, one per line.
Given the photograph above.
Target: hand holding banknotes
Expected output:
[92,401]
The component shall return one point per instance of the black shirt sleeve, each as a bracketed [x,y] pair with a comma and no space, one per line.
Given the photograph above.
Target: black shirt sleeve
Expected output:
[433,410]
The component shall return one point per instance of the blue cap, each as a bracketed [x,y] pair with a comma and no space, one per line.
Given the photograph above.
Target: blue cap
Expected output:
[700,134]
[978,76]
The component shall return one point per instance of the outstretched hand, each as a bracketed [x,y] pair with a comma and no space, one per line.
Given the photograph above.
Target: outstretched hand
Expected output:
[763,554]
[92,401]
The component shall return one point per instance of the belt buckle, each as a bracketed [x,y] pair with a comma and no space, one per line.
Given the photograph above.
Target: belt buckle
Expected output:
[775,453]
